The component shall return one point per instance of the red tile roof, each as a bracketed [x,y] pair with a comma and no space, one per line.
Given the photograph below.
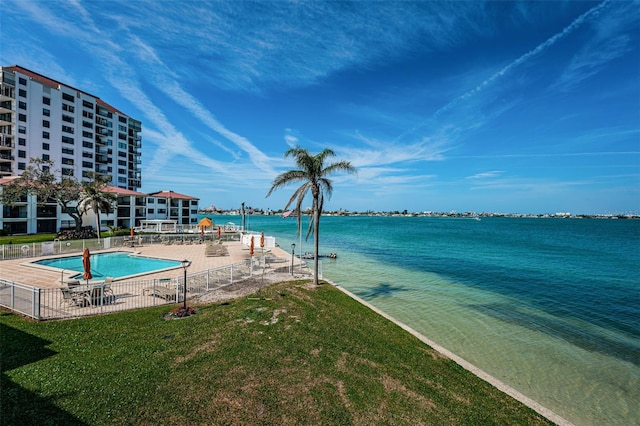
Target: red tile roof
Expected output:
[171,194]
[123,191]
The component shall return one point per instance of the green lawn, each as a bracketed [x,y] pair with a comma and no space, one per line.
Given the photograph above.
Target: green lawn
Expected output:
[26,239]
[299,355]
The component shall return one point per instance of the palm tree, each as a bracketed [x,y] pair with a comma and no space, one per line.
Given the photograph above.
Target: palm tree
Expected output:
[94,197]
[312,172]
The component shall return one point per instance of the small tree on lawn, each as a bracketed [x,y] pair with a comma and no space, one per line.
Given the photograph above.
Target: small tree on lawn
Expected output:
[40,180]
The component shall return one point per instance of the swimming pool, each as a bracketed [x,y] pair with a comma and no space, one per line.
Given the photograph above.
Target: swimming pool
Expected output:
[116,265]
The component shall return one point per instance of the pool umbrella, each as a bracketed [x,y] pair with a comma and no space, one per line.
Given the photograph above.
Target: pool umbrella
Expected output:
[132,233]
[219,231]
[262,240]
[86,265]
[251,247]
[205,221]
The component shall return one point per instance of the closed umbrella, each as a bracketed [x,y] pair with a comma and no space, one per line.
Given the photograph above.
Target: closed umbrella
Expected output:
[219,231]
[262,240]
[251,247]
[86,265]
[132,233]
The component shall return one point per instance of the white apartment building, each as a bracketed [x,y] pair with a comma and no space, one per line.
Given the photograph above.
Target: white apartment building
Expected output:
[43,118]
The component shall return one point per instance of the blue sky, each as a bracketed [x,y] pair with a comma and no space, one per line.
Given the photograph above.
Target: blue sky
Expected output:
[468,106]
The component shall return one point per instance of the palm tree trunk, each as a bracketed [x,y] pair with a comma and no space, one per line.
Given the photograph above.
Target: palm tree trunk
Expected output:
[98,224]
[316,244]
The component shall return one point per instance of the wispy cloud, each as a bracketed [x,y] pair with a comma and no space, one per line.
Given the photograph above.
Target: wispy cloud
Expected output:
[485,175]
[522,59]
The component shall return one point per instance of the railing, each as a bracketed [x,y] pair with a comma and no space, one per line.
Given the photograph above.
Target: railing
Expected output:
[100,298]
[57,247]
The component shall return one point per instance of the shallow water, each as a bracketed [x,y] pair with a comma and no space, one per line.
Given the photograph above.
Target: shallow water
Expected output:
[549,306]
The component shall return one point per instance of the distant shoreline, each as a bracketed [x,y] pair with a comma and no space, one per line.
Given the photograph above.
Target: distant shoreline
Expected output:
[465,215]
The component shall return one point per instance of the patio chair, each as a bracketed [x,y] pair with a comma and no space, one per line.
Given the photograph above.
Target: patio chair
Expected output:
[108,291]
[72,298]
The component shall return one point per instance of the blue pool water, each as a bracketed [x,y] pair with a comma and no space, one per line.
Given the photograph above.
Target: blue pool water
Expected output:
[114,265]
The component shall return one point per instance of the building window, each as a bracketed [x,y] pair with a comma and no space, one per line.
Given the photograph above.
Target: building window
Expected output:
[86,134]
[22,105]
[68,108]
[22,93]
[22,141]
[22,81]
[46,112]
[151,211]
[162,211]
[46,101]
[45,135]
[87,164]
[67,139]
[22,154]
[87,114]
[122,162]
[67,161]
[22,117]
[122,180]
[67,118]
[87,124]
[87,154]
[68,97]
[122,119]
[67,172]
[87,104]
[22,166]
[67,129]
[22,129]
[45,146]
[45,157]
[45,123]
[68,151]
[86,144]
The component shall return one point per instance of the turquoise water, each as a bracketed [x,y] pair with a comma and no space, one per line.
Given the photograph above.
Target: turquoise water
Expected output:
[114,265]
[549,306]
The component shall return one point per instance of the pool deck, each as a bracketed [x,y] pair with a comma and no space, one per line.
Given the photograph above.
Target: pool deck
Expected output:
[21,271]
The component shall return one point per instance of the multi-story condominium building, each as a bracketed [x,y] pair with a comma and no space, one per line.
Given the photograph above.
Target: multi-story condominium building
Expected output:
[172,206]
[46,119]
[43,118]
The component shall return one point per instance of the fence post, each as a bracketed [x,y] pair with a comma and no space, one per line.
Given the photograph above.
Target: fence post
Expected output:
[207,281]
[35,303]
[231,274]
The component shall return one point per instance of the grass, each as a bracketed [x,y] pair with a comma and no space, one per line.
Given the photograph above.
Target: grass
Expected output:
[26,239]
[298,355]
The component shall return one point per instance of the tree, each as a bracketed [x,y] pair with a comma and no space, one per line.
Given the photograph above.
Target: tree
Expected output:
[40,180]
[312,172]
[94,197]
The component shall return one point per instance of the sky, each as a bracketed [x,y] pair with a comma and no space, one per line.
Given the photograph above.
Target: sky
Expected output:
[513,107]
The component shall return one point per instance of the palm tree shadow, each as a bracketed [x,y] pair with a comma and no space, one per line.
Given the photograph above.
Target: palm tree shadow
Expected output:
[381,290]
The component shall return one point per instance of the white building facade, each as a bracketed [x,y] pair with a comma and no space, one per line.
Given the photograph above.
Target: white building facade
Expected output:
[46,119]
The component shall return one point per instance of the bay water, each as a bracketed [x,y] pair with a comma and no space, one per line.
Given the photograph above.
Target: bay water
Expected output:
[551,307]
